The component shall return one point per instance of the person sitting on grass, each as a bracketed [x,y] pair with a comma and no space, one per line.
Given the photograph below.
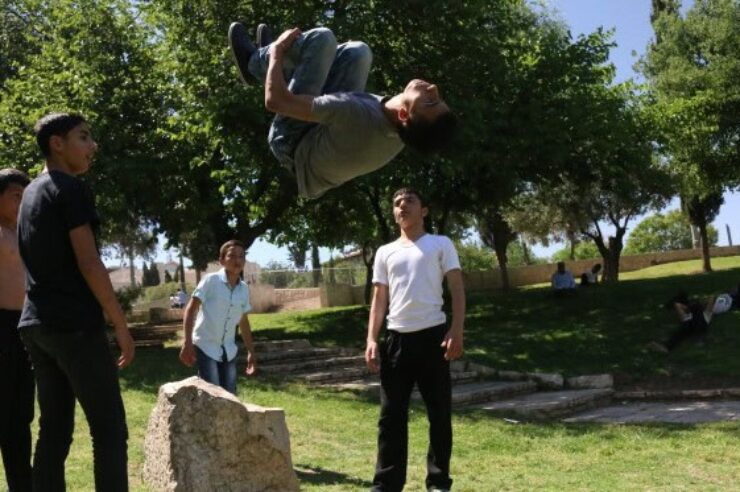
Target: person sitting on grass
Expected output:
[562,280]
[327,129]
[591,277]
[221,301]
[695,317]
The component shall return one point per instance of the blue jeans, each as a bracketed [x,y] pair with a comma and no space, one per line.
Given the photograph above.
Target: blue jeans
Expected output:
[313,65]
[221,373]
[68,366]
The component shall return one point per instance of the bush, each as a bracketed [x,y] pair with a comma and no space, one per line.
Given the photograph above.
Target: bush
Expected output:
[127,296]
[163,291]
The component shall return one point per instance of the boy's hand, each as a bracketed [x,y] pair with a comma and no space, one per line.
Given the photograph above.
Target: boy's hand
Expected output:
[453,344]
[126,344]
[371,356]
[187,354]
[251,369]
[281,44]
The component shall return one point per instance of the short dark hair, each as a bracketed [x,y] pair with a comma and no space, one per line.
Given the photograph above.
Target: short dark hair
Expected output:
[9,176]
[409,191]
[55,124]
[428,136]
[230,244]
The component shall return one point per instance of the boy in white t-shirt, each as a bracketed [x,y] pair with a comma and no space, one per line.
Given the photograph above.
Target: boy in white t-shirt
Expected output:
[408,275]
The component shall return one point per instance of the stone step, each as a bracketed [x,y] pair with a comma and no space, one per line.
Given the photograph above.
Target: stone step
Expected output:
[336,375]
[486,391]
[548,404]
[300,354]
[264,346]
[307,365]
[157,344]
[462,384]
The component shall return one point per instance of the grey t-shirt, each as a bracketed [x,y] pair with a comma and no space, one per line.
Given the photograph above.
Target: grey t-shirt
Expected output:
[353,138]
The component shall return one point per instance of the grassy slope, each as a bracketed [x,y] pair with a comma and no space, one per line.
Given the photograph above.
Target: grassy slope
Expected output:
[602,329]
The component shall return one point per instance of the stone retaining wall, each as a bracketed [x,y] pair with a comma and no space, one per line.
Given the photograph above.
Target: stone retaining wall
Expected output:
[536,274]
[288,295]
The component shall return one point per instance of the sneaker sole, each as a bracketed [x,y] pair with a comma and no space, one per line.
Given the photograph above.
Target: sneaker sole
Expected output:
[235,58]
[262,31]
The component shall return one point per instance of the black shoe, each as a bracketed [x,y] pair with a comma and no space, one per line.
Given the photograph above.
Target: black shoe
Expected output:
[242,50]
[263,36]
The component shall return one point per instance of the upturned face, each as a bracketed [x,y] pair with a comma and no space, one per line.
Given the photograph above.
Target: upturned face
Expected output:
[423,100]
[408,211]
[233,260]
[77,149]
[10,202]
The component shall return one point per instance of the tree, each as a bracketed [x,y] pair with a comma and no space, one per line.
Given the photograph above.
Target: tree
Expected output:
[474,258]
[92,57]
[693,67]
[664,232]
[586,250]
[167,277]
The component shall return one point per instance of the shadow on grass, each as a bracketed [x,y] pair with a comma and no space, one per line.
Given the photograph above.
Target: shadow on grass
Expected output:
[320,476]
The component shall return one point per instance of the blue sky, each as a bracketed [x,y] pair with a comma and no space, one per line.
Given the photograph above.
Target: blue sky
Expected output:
[630,20]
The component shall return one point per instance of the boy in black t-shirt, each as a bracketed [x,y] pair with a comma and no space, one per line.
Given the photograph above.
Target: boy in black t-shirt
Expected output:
[62,322]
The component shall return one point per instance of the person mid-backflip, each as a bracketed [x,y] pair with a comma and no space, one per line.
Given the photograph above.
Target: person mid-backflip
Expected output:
[327,130]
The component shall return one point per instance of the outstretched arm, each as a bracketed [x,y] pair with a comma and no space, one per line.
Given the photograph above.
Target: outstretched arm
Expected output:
[278,98]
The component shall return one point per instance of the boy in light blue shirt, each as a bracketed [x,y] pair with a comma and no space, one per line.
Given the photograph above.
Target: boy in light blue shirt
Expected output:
[221,301]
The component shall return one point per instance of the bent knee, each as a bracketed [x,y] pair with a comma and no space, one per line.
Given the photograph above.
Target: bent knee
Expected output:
[360,50]
[322,36]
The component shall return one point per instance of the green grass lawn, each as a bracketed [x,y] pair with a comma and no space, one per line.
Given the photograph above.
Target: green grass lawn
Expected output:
[602,329]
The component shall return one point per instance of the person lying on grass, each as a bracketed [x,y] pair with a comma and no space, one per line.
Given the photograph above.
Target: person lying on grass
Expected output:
[695,317]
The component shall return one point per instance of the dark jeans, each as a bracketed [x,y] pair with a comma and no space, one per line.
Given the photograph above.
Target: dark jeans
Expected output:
[16,409]
[696,327]
[405,360]
[69,366]
[219,372]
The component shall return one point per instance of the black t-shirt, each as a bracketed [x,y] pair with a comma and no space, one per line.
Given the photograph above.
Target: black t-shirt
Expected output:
[57,295]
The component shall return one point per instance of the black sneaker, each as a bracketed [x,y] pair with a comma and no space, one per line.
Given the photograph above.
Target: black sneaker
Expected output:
[241,50]
[263,36]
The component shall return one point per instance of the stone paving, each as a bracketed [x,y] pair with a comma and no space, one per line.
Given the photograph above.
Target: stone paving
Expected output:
[680,412]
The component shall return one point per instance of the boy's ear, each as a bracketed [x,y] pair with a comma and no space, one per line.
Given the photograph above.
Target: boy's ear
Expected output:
[56,143]
[424,211]
[403,114]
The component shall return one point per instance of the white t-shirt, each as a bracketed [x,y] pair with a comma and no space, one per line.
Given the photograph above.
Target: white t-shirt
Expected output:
[414,273]
[722,304]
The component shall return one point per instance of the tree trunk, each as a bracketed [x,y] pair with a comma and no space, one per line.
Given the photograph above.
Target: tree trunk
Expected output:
[315,264]
[525,253]
[369,260]
[503,262]
[182,273]
[131,267]
[706,261]
[610,254]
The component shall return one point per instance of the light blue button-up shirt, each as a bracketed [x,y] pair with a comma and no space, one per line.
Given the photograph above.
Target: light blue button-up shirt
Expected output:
[220,311]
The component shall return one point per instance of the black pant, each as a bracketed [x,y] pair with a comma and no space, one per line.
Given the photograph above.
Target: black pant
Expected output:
[406,359]
[68,366]
[696,327]
[16,409]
